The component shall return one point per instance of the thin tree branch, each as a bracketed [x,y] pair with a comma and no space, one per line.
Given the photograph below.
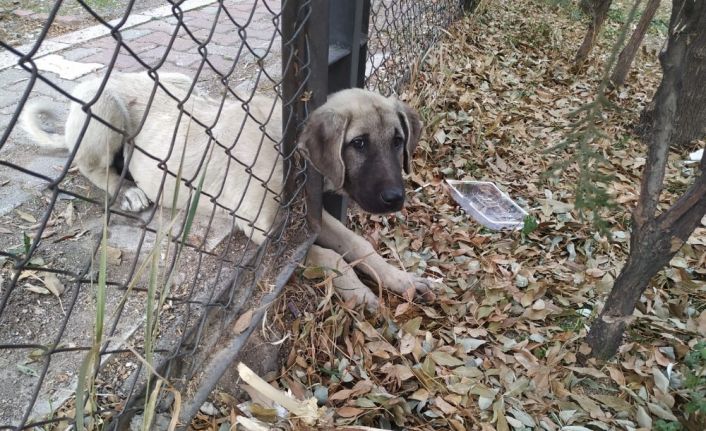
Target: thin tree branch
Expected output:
[630,50]
[686,213]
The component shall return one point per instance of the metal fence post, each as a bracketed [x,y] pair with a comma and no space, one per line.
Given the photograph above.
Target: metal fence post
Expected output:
[348,45]
[304,80]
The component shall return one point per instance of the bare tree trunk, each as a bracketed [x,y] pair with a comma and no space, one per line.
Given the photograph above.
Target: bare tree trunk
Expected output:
[691,112]
[691,97]
[656,238]
[598,10]
[627,55]
[651,248]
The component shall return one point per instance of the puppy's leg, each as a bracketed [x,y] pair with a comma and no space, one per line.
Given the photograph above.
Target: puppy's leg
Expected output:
[347,283]
[353,247]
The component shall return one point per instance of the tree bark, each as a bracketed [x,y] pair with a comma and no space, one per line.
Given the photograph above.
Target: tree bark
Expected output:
[627,55]
[656,238]
[598,9]
[645,260]
[650,250]
[691,105]
[691,113]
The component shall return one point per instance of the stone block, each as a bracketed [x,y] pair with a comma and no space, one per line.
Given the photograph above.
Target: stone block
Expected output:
[79,52]
[159,26]
[69,19]
[24,13]
[127,63]
[134,33]
[158,38]
[155,54]
[184,44]
[102,56]
[139,46]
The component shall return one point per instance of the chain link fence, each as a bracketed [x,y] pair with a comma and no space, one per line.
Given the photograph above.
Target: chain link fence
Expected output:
[107,312]
[401,32]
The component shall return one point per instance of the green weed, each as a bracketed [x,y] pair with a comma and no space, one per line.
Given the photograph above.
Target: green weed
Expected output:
[530,225]
[695,379]
[662,425]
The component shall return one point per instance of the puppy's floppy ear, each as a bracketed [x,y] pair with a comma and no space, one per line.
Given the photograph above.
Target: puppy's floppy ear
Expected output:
[412,128]
[321,142]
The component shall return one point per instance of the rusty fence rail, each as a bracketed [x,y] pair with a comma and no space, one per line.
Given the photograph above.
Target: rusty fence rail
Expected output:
[100,305]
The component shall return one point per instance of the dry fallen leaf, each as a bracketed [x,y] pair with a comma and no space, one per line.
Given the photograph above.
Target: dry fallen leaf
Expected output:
[26,216]
[53,284]
[37,289]
[588,371]
[503,344]
[114,256]
[348,412]
[243,322]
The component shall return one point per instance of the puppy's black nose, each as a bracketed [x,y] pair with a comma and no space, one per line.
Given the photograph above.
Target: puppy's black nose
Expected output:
[392,196]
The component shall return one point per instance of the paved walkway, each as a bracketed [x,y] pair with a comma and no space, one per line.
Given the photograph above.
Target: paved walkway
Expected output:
[243,38]
[242,42]
[243,34]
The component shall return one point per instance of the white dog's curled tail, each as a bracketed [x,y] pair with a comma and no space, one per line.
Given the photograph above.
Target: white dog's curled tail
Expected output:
[29,120]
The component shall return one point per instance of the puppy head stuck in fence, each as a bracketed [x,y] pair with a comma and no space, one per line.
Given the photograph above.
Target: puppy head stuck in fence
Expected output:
[180,121]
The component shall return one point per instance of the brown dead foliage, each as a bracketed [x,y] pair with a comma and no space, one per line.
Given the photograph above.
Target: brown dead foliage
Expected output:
[502,346]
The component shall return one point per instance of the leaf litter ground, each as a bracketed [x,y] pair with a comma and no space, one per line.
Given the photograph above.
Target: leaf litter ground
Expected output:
[502,345]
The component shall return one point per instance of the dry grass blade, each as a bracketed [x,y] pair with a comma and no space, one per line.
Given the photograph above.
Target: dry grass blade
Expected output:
[307,411]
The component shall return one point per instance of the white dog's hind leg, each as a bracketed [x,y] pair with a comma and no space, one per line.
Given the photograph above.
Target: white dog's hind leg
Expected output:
[345,281]
[99,143]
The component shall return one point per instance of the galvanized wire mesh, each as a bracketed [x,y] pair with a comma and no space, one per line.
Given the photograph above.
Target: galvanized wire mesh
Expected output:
[400,33]
[172,279]
[176,273]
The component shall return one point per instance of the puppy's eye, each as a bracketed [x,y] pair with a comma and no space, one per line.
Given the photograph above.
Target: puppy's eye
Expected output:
[398,142]
[359,143]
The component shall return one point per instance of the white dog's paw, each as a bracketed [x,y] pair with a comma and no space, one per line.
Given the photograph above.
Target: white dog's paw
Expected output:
[134,200]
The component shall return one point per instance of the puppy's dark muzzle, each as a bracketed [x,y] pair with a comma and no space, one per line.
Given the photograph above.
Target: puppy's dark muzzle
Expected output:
[393,198]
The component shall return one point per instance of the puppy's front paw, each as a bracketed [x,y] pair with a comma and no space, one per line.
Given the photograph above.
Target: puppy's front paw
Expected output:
[424,288]
[133,199]
[360,294]
[400,282]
